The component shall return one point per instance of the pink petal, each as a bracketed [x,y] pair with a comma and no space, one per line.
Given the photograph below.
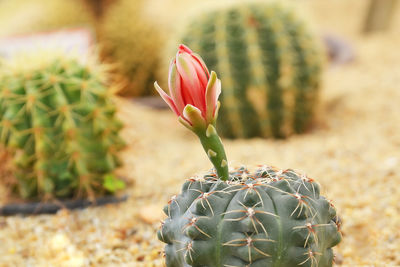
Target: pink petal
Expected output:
[190,80]
[202,75]
[175,87]
[186,68]
[167,99]
[184,49]
[212,93]
[187,97]
[202,63]
[202,70]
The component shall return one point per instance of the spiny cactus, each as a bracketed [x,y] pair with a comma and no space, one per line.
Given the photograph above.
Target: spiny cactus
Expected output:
[266,218]
[30,16]
[269,63]
[133,42]
[58,119]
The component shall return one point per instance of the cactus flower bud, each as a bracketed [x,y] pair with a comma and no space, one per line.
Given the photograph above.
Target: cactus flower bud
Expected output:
[193,90]
[194,93]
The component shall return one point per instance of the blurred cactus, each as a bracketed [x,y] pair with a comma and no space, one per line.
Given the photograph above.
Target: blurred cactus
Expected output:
[58,120]
[380,14]
[98,6]
[269,63]
[133,41]
[29,16]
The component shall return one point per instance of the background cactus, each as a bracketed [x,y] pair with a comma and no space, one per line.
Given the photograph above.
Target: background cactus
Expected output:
[132,40]
[269,63]
[29,16]
[58,118]
[266,218]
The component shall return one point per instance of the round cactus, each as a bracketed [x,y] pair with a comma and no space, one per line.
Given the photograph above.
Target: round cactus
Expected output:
[269,63]
[133,42]
[58,119]
[266,218]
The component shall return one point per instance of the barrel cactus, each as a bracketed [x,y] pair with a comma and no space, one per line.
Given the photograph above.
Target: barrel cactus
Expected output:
[58,120]
[270,217]
[269,62]
[131,40]
[266,218]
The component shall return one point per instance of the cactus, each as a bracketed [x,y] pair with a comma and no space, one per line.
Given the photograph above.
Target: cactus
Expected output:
[269,63]
[30,16]
[58,120]
[133,41]
[266,218]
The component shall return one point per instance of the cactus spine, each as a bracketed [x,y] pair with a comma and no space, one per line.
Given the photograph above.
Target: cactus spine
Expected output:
[57,117]
[266,218]
[269,64]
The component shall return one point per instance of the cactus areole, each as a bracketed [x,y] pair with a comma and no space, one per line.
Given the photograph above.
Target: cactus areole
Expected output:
[269,217]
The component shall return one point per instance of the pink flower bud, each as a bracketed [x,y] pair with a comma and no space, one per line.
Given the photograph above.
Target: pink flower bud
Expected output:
[193,90]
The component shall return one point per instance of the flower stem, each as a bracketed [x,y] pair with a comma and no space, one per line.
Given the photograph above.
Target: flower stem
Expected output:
[214,148]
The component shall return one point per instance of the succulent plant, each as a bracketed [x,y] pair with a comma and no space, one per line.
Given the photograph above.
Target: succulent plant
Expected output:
[132,41]
[134,35]
[270,65]
[58,119]
[267,218]
[30,16]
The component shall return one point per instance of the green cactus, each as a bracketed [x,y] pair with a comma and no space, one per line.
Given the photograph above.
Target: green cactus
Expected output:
[266,218]
[269,63]
[58,119]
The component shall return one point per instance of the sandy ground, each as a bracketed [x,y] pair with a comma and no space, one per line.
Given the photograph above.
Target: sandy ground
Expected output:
[353,152]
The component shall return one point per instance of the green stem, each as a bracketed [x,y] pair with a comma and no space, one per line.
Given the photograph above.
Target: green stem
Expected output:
[212,145]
